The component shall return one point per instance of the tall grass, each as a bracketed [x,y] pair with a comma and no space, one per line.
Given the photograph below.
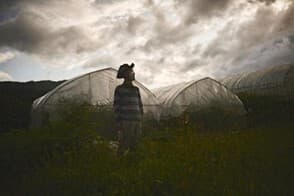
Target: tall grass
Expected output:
[70,157]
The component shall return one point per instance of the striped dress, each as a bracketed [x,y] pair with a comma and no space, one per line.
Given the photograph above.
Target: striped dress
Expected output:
[127,103]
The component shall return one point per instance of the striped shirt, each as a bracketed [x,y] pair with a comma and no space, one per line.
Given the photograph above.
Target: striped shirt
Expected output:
[127,103]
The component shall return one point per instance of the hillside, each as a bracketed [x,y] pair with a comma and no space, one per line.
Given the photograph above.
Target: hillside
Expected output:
[16,99]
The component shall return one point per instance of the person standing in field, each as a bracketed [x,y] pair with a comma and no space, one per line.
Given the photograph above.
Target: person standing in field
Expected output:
[128,109]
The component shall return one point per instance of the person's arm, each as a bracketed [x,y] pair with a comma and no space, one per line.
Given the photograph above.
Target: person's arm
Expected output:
[140,102]
[116,105]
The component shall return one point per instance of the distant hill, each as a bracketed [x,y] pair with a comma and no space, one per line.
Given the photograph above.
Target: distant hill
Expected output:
[16,99]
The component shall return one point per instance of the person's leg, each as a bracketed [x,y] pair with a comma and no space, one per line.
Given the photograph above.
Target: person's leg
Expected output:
[136,134]
[125,137]
[122,145]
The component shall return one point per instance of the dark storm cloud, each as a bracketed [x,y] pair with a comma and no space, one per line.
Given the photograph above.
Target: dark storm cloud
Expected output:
[287,20]
[8,4]
[192,64]
[275,52]
[21,33]
[267,2]
[255,43]
[267,26]
[28,32]
[134,23]
[242,36]
[199,9]
[283,21]
[167,37]
[165,33]
[264,25]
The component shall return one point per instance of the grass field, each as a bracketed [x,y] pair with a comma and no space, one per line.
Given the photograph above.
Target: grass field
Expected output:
[176,157]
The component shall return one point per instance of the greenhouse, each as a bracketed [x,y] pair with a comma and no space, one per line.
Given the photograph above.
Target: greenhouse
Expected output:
[197,95]
[95,88]
[273,81]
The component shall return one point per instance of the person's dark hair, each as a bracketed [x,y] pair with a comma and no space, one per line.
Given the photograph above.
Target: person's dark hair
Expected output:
[123,69]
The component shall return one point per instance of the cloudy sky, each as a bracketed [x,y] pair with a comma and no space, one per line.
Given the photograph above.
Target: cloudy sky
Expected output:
[169,41]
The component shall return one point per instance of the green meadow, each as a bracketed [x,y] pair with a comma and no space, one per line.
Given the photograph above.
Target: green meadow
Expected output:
[211,153]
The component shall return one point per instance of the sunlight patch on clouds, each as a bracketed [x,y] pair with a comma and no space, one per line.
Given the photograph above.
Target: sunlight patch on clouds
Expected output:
[281,5]
[5,76]
[5,56]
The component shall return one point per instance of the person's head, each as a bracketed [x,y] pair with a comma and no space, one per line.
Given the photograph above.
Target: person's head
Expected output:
[126,71]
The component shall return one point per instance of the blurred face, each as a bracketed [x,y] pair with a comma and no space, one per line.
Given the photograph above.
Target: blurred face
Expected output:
[130,75]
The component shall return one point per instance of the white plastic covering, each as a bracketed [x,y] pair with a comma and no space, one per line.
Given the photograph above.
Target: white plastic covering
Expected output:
[198,95]
[96,88]
[277,80]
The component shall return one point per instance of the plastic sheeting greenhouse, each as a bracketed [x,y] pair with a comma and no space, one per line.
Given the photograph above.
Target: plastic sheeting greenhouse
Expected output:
[276,81]
[197,95]
[96,88]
